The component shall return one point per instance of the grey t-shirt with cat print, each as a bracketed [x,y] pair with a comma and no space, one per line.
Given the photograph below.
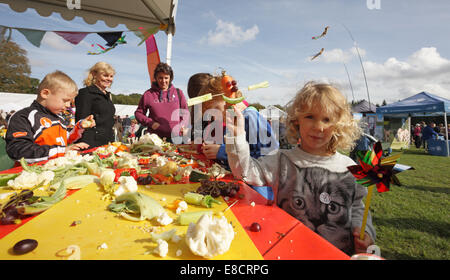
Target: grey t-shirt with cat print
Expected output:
[317,190]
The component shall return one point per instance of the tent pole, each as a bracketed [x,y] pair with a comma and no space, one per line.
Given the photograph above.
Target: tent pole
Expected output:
[446,134]
[169,48]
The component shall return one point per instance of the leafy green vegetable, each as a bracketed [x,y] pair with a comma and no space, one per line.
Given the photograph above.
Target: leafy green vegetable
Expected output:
[43,202]
[136,203]
[30,168]
[92,168]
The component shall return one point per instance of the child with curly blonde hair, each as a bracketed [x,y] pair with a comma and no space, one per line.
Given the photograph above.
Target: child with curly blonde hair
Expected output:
[311,182]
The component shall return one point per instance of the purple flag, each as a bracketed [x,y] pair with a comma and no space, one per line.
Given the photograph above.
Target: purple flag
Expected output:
[72,37]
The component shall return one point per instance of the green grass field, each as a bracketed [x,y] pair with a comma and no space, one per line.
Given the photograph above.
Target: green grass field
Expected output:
[413,220]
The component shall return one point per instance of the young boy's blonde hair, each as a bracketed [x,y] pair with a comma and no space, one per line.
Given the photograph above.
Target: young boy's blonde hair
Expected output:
[332,101]
[99,67]
[57,80]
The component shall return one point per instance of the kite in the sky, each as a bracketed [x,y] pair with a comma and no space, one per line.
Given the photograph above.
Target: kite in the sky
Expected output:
[319,53]
[321,35]
[102,49]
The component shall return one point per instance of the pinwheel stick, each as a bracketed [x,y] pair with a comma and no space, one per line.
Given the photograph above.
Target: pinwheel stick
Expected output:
[366,211]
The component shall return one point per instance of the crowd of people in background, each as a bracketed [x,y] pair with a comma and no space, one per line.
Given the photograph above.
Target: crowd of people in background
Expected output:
[422,132]
[125,127]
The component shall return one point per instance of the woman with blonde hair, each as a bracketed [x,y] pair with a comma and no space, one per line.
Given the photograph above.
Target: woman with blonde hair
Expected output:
[95,99]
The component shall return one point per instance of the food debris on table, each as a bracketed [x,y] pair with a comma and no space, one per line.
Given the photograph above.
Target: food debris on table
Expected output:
[74,223]
[72,252]
[162,249]
[102,246]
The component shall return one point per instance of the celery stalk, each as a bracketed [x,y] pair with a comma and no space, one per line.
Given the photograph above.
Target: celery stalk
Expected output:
[199,199]
[186,218]
[78,182]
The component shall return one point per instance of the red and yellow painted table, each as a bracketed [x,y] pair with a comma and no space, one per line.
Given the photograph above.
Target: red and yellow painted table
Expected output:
[281,237]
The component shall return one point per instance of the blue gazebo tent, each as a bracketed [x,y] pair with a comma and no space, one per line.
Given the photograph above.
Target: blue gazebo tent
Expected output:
[421,104]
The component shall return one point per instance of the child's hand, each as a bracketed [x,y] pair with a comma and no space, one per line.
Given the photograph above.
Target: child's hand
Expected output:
[77,146]
[210,150]
[235,122]
[88,122]
[361,245]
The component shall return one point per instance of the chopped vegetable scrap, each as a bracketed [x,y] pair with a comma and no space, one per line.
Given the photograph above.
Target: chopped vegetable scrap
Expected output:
[233,100]
[186,218]
[264,84]
[162,249]
[74,223]
[210,236]
[137,204]
[72,252]
[199,199]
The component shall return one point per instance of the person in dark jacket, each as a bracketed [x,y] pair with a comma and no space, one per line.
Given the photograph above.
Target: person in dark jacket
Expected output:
[96,100]
[159,102]
[428,133]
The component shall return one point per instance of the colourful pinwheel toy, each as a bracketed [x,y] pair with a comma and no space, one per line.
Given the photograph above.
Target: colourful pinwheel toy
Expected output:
[376,171]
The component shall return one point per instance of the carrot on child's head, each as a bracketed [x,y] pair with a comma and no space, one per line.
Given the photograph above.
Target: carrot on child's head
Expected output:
[329,99]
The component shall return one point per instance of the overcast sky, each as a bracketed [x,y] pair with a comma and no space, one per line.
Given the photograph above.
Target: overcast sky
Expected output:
[404,46]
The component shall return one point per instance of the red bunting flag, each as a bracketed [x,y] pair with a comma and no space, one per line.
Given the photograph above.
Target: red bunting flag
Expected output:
[152,55]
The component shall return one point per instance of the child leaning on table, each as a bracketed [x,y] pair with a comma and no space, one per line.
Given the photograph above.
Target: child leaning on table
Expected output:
[311,182]
[259,135]
[37,132]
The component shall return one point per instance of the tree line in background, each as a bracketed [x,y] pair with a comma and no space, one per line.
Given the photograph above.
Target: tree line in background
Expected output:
[15,75]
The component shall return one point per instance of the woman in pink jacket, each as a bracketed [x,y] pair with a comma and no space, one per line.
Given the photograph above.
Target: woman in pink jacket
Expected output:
[418,135]
[158,107]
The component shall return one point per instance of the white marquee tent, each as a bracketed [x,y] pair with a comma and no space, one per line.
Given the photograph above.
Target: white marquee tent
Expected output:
[15,101]
[132,13]
[272,112]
